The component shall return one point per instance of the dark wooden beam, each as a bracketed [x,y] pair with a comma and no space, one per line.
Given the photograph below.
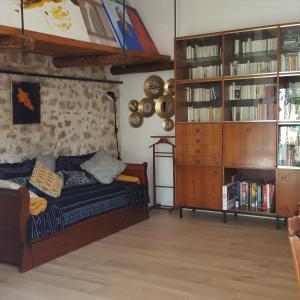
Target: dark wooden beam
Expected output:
[142,68]
[16,43]
[130,57]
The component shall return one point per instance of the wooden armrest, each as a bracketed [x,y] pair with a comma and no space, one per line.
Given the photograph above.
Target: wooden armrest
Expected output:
[293,225]
[138,170]
[295,247]
[14,215]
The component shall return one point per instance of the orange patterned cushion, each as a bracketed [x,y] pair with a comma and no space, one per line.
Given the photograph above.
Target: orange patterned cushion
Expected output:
[46,180]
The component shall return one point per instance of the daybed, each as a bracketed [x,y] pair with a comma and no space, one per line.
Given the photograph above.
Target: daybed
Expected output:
[20,242]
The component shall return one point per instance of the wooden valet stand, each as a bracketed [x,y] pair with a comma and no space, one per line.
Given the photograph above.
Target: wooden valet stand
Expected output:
[166,154]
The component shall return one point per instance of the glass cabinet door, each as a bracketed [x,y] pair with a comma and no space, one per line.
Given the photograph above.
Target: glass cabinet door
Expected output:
[289,146]
[251,52]
[199,58]
[290,49]
[289,98]
[250,99]
[199,102]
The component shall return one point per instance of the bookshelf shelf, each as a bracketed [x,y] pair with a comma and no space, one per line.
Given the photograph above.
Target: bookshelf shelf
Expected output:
[287,74]
[204,80]
[253,211]
[252,109]
[251,76]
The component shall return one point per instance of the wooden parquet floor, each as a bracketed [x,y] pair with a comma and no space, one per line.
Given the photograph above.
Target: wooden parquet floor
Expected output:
[197,257]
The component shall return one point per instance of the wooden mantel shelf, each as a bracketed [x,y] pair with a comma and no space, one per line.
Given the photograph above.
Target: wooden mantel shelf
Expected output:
[73,53]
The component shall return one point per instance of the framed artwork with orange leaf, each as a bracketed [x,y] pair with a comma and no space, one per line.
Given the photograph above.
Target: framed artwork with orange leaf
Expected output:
[26,103]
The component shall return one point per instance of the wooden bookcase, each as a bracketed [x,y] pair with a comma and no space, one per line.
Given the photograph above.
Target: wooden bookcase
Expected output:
[238,115]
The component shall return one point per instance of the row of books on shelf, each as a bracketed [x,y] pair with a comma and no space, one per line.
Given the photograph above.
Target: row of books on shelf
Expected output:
[196,51]
[205,72]
[291,39]
[252,113]
[202,94]
[253,91]
[289,112]
[249,45]
[289,155]
[290,62]
[249,194]
[252,67]
[289,102]
[204,114]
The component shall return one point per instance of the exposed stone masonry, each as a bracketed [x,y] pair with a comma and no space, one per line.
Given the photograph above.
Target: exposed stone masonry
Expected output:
[76,117]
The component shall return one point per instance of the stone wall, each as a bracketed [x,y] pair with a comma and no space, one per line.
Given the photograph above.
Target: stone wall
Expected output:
[76,116]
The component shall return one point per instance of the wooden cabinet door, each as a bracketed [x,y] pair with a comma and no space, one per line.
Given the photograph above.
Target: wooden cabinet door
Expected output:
[249,145]
[199,187]
[199,144]
[287,192]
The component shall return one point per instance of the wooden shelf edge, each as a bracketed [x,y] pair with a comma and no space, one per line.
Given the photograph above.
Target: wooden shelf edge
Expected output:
[74,53]
[252,211]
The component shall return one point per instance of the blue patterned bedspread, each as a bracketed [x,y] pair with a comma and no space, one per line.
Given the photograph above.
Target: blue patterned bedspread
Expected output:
[81,202]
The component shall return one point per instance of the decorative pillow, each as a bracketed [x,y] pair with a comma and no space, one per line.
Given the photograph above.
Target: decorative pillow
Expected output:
[71,163]
[48,161]
[37,205]
[127,178]
[103,167]
[46,180]
[15,170]
[76,178]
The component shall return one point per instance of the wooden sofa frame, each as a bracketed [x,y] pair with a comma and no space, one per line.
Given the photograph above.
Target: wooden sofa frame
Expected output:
[14,213]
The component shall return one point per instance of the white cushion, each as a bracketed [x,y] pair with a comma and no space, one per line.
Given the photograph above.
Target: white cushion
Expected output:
[103,167]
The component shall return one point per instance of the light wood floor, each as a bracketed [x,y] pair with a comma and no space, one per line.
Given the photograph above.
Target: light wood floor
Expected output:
[197,257]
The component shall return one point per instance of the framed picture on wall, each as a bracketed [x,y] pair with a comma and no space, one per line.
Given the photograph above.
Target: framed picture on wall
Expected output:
[114,12]
[96,22]
[136,34]
[26,103]
[141,31]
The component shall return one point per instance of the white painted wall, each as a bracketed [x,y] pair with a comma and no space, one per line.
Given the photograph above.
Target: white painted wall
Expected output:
[136,141]
[193,17]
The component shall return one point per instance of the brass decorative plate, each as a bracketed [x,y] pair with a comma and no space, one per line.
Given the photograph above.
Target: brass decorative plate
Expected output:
[165,106]
[168,124]
[146,107]
[133,105]
[169,87]
[136,119]
[154,87]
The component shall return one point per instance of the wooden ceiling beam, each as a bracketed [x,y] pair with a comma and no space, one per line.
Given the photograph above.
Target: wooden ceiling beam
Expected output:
[142,68]
[132,57]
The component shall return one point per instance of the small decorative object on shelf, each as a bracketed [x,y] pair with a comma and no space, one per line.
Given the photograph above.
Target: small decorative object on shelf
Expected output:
[133,105]
[154,86]
[136,119]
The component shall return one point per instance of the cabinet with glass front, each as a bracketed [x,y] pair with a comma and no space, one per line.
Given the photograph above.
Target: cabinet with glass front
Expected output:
[198,79]
[290,48]
[247,82]
[250,99]
[251,52]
